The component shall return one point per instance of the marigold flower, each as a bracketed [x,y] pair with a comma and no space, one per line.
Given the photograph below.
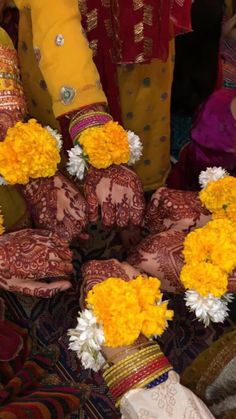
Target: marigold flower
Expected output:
[205,278]
[105,145]
[219,194]
[125,309]
[28,151]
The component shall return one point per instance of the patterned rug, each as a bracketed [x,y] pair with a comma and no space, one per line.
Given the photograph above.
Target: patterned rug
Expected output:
[49,320]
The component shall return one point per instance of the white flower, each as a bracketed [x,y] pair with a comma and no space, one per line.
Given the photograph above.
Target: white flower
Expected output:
[55,134]
[88,360]
[135,146]
[228,297]
[87,339]
[207,308]
[211,174]
[76,164]
[2,181]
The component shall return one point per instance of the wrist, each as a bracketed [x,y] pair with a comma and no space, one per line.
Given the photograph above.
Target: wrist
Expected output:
[90,119]
[140,368]
[87,117]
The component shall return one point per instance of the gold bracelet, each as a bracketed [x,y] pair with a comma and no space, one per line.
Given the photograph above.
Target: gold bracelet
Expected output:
[140,354]
[131,348]
[124,374]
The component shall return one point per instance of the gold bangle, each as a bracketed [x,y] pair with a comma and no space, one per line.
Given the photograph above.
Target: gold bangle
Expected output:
[127,350]
[137,355]
[124,374]
[133,358]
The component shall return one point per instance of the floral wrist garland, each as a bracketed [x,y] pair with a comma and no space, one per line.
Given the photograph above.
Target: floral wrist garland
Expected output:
[103,146]
[118,311]
[210,251]
[28,151]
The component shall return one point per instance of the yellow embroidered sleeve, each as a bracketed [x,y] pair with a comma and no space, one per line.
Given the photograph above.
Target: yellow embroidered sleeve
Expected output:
[66,61]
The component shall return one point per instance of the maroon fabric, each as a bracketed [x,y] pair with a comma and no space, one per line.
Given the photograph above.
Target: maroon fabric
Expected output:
[213,142]
[129,32]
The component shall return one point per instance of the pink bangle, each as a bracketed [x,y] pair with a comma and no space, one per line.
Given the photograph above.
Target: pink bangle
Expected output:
[126,384]
[88,120]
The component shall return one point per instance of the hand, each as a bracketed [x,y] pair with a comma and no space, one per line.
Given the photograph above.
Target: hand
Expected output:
[28,257]
[119,193]
[173,209]
[229,28]
[232,282]
[56,205]
[97,271]
[160,255]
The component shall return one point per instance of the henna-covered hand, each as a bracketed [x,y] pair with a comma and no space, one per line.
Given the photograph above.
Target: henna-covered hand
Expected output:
[160,255]
[119,193]
[173,209]
[97,271]
[28,257]
[56,204]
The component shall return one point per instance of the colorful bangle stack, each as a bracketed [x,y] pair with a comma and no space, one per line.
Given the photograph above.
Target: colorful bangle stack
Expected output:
[136,371]
[86,120]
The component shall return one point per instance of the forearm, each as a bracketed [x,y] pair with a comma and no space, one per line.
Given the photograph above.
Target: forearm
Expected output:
[140,379]
[66,60]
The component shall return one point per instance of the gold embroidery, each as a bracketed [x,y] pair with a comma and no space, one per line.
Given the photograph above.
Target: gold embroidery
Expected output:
[92,19]
[94,46]
[148,14]
[83,7]
[137,4]
[139,58]
[148,44]
[108,26]
[138,32]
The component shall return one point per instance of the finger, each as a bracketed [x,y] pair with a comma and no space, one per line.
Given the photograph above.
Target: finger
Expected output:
[61,253]
[108,212]
[137,209]
[232,282]
[92,202]
[40,289]
[123,213]
[58,268]
[129,270]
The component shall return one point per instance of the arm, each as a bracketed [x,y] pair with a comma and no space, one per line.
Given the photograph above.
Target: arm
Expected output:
[73,83]
[66,59]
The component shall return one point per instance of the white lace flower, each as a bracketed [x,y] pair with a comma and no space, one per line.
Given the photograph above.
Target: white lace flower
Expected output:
[87,339]
[2,181]
[76,164]
[211,174]
[135,146]
[55,134]
[208,308]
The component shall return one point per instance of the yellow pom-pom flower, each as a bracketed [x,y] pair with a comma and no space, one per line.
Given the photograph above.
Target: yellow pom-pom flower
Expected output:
[28,151]
[213,243]
[105,145]
[126,309]
[205,278]
[220,194]
[155,319]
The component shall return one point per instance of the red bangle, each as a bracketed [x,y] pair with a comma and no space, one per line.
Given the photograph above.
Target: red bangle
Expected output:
[149,369]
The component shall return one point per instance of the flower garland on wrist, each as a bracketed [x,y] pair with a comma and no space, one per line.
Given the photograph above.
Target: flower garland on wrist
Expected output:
[118,312]
[29,151]
[210,252]
[100,142]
